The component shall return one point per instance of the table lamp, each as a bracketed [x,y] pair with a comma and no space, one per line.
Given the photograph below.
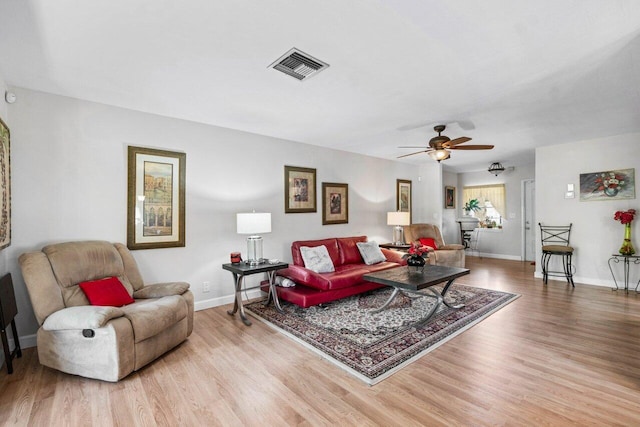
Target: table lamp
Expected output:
[253,224]
[398,219]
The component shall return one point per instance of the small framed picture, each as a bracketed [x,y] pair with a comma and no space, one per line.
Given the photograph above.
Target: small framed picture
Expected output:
[299,190]
[156,204]
[403,196]
[449,197]
[335,203]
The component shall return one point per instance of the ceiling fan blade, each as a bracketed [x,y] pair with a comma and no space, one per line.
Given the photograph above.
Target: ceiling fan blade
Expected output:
[456,141]
[472,147]
[411,154]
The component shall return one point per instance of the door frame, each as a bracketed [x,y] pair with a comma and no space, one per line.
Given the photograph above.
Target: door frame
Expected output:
[523,224]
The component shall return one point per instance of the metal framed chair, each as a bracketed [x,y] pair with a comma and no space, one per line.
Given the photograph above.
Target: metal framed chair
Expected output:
[555,241]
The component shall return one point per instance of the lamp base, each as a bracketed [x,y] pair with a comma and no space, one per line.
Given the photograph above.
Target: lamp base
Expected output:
[254,250]
[398,235]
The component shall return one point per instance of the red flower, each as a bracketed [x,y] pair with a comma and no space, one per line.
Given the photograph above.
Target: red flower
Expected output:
[625,217]
[418,250]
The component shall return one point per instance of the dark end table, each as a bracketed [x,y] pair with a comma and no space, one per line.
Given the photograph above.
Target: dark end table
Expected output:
[8,311]
[242,269]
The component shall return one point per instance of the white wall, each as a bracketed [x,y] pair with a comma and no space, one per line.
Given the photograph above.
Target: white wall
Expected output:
[595,234]
[508,242]
[69,164]
[450,228]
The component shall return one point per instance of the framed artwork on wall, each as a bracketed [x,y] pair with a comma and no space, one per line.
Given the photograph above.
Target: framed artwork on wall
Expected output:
[5,186]
[155,199]
[299,190]
[608,185]
[403,196]
[335,203]
[449,197]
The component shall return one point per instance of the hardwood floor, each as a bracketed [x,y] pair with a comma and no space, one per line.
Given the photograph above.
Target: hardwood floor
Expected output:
[555,356]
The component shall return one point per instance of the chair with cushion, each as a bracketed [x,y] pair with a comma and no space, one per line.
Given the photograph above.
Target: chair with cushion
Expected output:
[451,255]
[555,241]
[97,317]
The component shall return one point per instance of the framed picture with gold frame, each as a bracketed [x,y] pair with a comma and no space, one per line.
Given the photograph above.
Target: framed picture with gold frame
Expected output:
[403,196]
[299,190]
[5,185]
[335,203]
[449,197]
[156,204]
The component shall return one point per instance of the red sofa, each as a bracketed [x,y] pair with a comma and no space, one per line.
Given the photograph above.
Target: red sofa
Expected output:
[316,288]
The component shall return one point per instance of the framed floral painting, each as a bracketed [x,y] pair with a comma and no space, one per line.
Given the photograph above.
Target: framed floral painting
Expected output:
[449,197]
[156,204]
[5,186]
[403,196]
[335,203]
[299,190]
[608,185]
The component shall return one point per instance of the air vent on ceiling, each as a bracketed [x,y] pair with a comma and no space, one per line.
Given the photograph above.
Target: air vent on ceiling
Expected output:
[298,64]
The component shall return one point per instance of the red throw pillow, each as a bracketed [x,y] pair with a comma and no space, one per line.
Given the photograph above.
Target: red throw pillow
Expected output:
[109,291]
[428,241]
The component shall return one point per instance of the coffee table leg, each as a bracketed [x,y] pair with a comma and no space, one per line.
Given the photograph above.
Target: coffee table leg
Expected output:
[444,291]
[395,292]
[433,310]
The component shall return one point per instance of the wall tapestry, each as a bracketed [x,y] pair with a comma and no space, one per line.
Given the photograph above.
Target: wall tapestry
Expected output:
[5,186]
[156,205]
[608,185]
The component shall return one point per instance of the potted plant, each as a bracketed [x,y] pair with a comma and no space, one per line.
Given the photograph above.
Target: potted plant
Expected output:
[471,205]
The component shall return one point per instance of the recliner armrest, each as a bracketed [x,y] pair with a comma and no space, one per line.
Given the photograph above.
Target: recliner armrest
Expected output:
[81,317]
[158,290]
[451,247]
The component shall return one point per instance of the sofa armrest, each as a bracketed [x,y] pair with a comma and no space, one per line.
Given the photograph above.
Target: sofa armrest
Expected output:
[451,247]
[304,276]
[394,256]
[81,317]
[158,290]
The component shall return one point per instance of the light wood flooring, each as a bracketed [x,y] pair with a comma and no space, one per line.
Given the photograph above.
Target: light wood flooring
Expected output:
[556,356]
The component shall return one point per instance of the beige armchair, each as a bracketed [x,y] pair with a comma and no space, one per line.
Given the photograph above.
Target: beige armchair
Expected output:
[451,255]
[101,342]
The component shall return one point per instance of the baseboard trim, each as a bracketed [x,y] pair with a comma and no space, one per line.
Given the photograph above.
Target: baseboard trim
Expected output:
[227,299]
[497,256]
[579,280]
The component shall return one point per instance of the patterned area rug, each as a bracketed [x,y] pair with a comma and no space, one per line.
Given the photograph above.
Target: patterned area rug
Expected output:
[374,346]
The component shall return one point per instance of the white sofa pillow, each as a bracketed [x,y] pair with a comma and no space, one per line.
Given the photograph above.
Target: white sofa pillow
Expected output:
[371,253]
[317,259]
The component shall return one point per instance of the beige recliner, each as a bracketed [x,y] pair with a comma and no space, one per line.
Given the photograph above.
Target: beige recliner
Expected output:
[105,343]
[451,255]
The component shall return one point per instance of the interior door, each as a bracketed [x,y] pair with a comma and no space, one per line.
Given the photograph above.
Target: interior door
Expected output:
[528,218]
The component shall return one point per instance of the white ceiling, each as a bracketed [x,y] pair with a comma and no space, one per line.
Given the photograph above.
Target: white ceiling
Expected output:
[513,73]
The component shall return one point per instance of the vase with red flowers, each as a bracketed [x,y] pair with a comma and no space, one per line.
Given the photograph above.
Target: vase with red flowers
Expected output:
[625,218]
[415,259]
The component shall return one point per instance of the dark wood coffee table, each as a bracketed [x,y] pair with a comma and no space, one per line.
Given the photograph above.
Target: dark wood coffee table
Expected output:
[403,280]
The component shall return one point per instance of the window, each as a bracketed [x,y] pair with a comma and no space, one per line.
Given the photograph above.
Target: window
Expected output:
[491,199]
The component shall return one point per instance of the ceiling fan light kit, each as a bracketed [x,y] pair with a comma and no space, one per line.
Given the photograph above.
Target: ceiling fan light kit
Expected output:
[439,155]
[496,168]
[440,145]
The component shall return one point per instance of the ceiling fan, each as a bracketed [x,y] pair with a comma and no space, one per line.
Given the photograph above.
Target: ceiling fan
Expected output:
[440,145]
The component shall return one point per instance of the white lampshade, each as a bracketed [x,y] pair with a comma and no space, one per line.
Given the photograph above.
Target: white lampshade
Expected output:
[253,223]
[398,218]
